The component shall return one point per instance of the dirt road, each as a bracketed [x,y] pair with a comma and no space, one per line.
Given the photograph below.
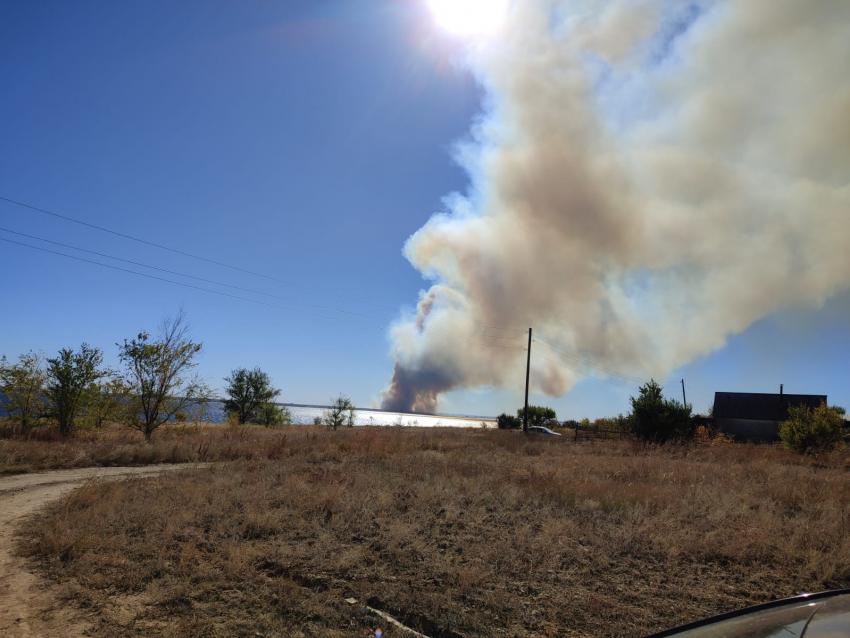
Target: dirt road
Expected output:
[28,608]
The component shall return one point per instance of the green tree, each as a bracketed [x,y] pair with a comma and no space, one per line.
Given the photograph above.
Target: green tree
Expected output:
[158,374]
[538,416]
[248,392]
[812,430]
[23,385]
[509,422]
[657,419]
[340,413]
[69,379]
[270,415]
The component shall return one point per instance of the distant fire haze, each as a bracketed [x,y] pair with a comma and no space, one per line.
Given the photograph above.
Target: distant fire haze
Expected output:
[647,179]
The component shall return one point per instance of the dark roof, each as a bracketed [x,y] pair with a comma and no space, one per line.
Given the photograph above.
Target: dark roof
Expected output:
[762,407]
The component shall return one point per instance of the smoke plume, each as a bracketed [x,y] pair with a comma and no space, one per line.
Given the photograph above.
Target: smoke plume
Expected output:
[649,178]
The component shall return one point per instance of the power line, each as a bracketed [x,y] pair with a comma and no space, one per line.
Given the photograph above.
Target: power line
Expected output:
[213,261]
[180,274]
[224,294]
[586,362]
[218,283]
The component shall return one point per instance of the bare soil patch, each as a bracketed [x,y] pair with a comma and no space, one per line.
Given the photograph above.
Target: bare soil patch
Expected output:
[454,533]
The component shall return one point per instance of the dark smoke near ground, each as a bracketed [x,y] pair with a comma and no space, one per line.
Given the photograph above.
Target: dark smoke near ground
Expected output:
[650,177]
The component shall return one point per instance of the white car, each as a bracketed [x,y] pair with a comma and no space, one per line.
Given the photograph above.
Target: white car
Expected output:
[539,429]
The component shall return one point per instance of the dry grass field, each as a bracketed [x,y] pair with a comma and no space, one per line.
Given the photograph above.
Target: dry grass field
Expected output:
[453,532]
[122,447]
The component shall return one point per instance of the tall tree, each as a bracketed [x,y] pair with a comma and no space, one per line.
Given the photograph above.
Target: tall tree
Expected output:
[248,392]
[69,377]
[158,374]
[23,384]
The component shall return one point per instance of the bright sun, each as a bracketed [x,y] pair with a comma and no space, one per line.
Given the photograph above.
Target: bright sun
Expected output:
[470,17]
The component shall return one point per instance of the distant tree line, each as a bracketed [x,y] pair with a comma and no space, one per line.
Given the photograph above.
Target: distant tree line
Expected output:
[156,383]
[656,419]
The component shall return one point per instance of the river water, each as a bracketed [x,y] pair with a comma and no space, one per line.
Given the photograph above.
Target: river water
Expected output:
[379,417]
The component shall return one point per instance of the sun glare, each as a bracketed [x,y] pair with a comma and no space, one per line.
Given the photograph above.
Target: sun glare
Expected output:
[470,17]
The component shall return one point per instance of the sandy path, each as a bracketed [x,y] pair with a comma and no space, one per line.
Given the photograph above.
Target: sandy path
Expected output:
[28,608]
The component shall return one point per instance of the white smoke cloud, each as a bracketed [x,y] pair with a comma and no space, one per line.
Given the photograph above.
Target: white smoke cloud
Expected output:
[650,178]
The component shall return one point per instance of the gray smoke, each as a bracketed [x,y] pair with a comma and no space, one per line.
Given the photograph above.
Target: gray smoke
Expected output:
[650,177]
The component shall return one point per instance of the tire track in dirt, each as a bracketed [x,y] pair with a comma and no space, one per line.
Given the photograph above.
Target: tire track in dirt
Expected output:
[28,604]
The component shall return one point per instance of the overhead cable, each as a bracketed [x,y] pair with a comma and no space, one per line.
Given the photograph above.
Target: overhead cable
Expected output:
[224,294]
[219,283]
[213,261]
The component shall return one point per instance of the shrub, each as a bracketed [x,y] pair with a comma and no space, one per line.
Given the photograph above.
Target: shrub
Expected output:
[812,430]
[269,414]
[538,415]
[657,419]
[340,413]
[704,435]
[509,422]
[613,423]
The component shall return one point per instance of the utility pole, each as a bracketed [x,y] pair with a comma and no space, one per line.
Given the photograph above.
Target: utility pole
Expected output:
[684,398]
[527,375]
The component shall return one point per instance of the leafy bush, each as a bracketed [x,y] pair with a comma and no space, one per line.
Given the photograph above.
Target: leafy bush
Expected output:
[509,422]
[812,430]
[270,415]
[657,419]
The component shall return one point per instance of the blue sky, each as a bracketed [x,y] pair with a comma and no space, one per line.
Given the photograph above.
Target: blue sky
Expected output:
[306,140]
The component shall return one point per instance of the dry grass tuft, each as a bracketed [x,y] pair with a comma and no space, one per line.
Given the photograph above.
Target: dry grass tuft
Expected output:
[456,533]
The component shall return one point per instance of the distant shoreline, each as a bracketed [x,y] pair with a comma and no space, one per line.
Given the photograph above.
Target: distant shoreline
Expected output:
[466,417]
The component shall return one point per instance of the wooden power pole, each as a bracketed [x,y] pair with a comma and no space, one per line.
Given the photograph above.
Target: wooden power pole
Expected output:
[527,375]
[684,398]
